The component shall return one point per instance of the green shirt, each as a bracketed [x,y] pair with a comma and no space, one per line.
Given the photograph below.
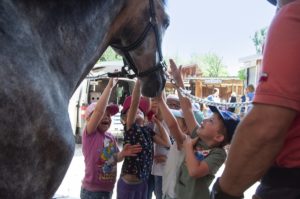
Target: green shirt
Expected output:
[188,187]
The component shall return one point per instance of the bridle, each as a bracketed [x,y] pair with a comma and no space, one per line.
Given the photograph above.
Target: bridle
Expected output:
[128,61]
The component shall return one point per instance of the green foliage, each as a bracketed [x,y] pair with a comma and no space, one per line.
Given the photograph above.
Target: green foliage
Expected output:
[242,74]
[210,64]
[110,55]
[259,39]
[213,66]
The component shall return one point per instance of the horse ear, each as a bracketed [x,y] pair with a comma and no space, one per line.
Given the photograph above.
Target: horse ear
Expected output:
[165,2]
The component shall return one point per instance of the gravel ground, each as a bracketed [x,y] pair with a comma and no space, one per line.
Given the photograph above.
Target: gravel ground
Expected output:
[70,187]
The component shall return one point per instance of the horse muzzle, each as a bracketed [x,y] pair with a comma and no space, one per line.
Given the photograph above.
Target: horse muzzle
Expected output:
[153,84]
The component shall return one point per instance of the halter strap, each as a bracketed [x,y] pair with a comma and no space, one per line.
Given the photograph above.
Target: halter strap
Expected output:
[125,50]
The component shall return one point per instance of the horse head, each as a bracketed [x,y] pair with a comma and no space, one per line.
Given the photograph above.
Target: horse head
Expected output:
[138,38]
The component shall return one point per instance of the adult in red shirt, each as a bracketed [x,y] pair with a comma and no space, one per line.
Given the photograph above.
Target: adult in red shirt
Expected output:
[266,146]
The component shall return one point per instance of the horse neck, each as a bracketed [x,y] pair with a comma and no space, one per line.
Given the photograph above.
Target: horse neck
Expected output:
[71,35]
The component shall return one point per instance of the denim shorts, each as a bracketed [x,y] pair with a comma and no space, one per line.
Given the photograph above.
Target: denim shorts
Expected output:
[85,194]
[268,192]
[279,183]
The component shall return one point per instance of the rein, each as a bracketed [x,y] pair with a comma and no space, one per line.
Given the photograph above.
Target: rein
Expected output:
[128,61]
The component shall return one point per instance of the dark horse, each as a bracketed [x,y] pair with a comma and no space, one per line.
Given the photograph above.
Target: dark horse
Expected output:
[46,49]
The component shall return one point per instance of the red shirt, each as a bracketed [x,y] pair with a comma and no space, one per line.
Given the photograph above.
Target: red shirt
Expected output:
[280,80]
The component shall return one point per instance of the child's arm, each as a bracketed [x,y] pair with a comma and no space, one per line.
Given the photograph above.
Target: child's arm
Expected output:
[100,108]
[188,114]
[196,168]
[162,138]
[160,158]
[185,103]
[177,74]
[128,150]
[135,100]
[171,121]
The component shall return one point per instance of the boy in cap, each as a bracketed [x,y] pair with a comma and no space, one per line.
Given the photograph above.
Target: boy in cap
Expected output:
[204,152]
[100,149]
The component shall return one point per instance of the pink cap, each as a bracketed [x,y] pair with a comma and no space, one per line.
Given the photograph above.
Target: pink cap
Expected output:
[144,105]
[112,108]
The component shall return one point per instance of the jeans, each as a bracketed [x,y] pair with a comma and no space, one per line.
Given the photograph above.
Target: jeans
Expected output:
[158,187]
[85,194]
[151,186]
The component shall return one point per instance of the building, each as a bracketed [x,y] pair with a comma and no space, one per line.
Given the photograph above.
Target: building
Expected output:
[252,65]
[203,86]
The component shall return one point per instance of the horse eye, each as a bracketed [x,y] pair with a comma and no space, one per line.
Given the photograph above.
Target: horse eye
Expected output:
[166,22]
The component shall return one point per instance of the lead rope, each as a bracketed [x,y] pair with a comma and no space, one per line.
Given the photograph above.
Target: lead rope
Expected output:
[193,98]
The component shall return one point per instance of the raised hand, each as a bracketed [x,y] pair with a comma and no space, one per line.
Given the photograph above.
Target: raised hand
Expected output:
[112,82]
[160,159]
[185,102]
[176,73]
[189,143]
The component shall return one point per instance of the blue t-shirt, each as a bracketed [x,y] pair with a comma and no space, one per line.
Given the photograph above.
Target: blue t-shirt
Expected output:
[250,96]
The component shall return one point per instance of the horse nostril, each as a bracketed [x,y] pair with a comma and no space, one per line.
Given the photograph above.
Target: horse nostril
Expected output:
[153,84]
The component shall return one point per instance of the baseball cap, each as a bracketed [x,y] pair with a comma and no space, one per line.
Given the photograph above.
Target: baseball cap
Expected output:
[197,112]
[143,106]
[112,108]
[173,97]
[179,114]
[231,120]
[274,2]
[173,101]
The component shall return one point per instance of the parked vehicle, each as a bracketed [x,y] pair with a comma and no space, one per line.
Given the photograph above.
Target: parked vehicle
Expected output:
[89,91]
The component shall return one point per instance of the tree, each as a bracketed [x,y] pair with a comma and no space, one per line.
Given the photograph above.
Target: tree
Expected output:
[213,66]
[259,39]
[242,74]
[110,55]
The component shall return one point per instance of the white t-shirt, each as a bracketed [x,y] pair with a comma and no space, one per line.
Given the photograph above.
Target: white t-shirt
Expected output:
[174,161]
[158,168]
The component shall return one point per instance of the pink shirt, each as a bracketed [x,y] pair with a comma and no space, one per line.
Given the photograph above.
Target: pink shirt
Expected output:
[98,150]
[280,81]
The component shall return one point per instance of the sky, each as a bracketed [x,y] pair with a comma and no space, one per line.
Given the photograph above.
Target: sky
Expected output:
[215,26]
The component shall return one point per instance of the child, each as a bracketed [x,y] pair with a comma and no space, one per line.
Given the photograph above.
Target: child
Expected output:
[205,154]
[174,160]
[176,155]
[197,172]
[135,170]
[173,101]
[160,152]
[100,149]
